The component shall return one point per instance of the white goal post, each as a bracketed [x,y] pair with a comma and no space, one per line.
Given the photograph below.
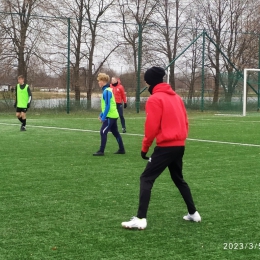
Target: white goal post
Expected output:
[245,88]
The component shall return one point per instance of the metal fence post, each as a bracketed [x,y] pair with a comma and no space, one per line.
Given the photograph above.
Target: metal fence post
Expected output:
[137,100]
[203,73]
[68,69]
[258,94]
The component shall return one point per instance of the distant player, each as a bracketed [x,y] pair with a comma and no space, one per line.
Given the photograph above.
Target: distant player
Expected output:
[108,117]
[166,121]
[23,98]
[120,97]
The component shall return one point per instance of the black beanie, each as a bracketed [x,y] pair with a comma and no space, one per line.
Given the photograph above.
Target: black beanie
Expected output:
[154,76]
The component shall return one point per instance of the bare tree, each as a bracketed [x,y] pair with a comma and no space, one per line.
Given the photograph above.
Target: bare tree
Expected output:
[235,45]
[249,40]
[136,15]
[21,29]
[71,15]
[213,14]
[224,21]
[5,61]
[192,58]
[90,44]
[99,46]
[166,21]
[77,33]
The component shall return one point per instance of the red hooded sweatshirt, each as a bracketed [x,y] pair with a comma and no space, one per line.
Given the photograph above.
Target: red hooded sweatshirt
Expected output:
[166,118]
[119,92]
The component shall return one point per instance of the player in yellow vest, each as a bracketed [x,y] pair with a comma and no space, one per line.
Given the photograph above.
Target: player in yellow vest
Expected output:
[108,117]
[23,98]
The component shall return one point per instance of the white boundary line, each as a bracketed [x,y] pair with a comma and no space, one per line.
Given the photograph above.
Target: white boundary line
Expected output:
[94,131]
[228,115]
[64,128]
[222,142]
[229,120]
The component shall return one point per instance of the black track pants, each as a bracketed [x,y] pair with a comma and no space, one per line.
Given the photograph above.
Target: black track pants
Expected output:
[161,158]
[119,107]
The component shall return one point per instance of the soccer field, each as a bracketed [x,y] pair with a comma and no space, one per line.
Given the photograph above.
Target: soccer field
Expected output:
[60,202]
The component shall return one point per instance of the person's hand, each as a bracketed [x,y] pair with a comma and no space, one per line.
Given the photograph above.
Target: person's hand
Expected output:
[100,119]
[14,105]
[125,105]
[28,105]
[143,155]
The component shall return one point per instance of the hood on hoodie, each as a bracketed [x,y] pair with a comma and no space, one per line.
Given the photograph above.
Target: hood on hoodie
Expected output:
[118,83]
[163,87]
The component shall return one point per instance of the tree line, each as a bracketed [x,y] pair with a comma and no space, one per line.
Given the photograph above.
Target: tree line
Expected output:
[121,36]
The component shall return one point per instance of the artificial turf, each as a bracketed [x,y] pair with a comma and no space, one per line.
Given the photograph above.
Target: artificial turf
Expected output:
[60,202]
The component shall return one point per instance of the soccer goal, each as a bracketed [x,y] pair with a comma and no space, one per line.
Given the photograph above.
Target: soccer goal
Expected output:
[246,72]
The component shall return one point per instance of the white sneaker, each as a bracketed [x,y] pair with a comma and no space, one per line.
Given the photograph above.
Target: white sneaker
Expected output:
[193,217]
[135,222]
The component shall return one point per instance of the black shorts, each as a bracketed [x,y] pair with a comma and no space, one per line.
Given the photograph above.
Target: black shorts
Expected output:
[19,110]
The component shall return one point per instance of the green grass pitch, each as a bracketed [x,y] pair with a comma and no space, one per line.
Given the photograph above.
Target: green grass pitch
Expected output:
[60,202]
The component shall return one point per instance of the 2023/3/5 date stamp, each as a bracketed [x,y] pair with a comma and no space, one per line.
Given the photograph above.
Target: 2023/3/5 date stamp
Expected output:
[241,246]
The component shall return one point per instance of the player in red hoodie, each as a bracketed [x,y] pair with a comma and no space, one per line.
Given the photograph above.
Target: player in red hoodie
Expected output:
[120,96]
[166,121]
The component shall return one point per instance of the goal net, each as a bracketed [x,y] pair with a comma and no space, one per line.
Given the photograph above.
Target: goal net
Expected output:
[251,88]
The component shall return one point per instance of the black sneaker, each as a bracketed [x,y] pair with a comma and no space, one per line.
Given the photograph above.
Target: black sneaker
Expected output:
[120,152]
[23,128]
[123,130]
[98,153]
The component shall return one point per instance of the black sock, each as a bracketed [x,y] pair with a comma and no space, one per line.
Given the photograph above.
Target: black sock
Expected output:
[24,122]
[20,119]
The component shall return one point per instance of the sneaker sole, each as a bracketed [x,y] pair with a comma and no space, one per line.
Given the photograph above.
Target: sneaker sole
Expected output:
[126,227]
[192,220]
